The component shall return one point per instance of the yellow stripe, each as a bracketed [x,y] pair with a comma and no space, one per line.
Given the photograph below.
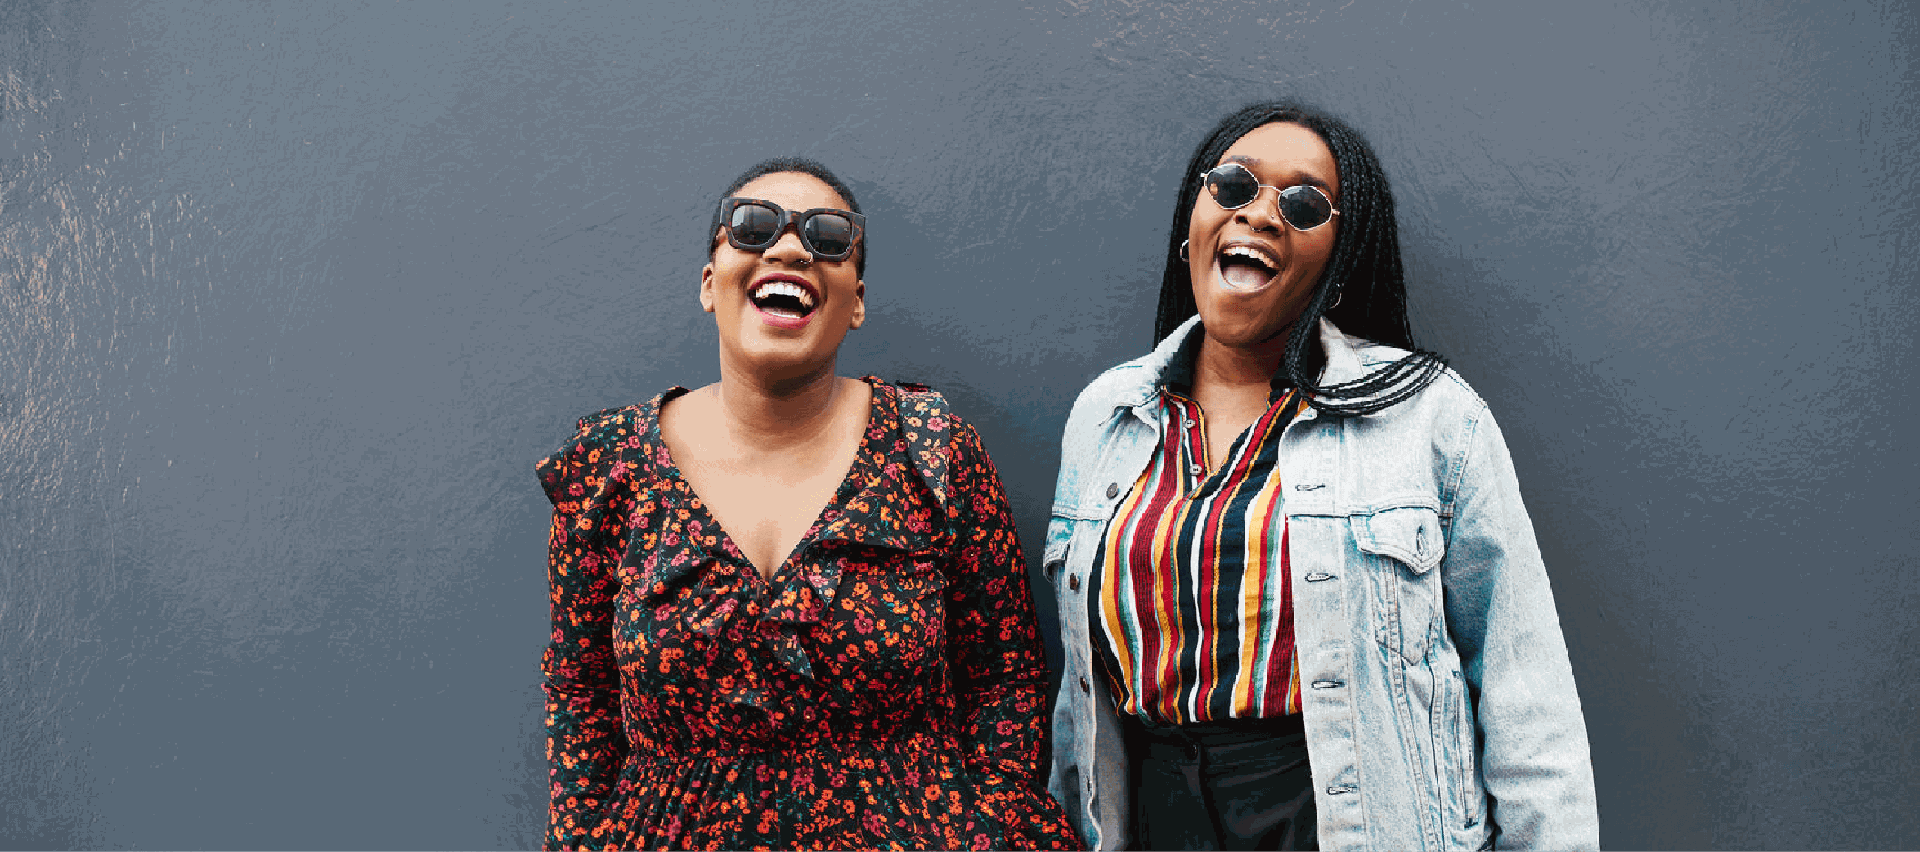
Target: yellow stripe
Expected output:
[1254,651]
[1248,678]
[1121,609]
[1114,592]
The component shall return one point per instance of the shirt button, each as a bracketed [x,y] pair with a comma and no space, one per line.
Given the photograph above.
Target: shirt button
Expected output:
[1193,470]
[1073,582]
[1113,490]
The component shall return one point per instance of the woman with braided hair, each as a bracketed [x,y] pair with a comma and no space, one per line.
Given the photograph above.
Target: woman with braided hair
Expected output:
[1301,601]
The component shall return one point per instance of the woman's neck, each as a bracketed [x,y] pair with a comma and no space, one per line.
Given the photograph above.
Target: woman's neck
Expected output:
[1221,365]
[772,413]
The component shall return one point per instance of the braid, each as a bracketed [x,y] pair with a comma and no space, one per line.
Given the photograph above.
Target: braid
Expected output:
[1363,290]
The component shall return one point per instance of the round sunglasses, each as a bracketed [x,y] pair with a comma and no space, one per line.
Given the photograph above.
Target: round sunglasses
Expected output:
[755,225]
[1233,186]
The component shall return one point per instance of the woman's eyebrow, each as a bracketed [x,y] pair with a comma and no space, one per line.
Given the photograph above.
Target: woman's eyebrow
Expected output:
[1299,176]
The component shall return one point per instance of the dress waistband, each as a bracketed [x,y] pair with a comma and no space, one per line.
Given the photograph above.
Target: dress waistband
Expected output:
[724,748]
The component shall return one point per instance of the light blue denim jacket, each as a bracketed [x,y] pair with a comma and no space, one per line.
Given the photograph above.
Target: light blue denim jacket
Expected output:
[1439,706]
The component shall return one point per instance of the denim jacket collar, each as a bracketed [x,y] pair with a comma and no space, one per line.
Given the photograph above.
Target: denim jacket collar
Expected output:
[1174,357]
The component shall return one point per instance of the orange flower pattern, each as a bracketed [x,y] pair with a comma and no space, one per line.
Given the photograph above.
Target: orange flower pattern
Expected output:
[886,689]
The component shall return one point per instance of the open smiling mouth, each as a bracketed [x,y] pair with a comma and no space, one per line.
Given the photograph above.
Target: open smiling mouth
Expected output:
[782,299]
[1246,268]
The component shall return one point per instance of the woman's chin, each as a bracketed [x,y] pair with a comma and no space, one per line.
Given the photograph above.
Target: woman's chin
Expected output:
[770,358]
[1237,330]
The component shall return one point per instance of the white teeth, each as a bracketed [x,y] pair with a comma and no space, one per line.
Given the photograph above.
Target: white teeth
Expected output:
[1253,254]
[782,288]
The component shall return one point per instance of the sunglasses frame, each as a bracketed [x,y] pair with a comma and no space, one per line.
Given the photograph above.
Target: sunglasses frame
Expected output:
[1281,191]
[723,217]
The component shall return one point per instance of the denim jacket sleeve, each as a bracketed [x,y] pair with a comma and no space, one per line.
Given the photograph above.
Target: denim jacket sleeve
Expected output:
[1103,444]
[1534,755]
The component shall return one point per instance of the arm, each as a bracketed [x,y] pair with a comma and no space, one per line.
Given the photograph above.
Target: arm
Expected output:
[586,744]
[999,666]
[1532,737]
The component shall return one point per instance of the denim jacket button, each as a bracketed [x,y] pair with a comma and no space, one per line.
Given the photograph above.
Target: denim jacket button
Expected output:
[1113,490]
[1318,576]
[1328,684]
[1073,582]
[1084,687]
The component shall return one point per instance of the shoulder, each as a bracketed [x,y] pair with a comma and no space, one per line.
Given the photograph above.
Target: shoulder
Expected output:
[1123,384]
[598,439]
[603,430]
[1447,416]
[927,416]
[944,448]
[1448,392]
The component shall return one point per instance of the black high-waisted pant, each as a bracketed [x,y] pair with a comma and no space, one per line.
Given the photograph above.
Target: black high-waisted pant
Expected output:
[1239,784]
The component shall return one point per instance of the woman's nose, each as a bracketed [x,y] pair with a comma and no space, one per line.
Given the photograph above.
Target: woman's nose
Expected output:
[789,249]
[1261,213]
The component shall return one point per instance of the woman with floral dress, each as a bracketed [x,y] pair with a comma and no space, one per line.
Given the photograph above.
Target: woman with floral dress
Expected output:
[789,608]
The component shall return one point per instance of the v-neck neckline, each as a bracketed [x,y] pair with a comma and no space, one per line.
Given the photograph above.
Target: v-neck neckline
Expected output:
[859,476]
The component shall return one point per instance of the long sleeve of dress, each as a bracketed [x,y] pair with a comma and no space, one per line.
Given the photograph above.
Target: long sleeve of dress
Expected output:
[586,746]
[999,666]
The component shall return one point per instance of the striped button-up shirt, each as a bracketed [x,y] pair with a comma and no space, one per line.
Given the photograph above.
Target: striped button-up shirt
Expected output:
[1192,622]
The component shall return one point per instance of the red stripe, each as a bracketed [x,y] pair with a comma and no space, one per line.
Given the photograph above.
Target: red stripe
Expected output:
[1154,563]
[1206,597]
[1153,597]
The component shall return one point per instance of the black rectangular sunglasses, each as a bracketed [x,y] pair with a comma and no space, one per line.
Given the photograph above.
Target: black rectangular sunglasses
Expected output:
[755,224]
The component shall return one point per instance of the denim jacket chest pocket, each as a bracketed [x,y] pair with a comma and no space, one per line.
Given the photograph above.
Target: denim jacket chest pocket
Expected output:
[1399,548]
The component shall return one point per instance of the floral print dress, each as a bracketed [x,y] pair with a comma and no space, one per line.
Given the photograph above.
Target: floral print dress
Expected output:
[886,689]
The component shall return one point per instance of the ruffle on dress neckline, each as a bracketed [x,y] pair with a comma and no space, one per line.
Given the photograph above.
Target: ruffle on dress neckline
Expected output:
[801,590]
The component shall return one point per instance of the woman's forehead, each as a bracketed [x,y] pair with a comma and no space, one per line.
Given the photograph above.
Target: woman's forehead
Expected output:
[1283,149]
[793,190]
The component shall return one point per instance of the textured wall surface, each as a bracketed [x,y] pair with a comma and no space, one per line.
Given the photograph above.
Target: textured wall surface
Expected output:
[292,295]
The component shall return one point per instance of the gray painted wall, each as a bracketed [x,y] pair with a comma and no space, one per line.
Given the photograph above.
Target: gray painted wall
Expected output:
[292,295]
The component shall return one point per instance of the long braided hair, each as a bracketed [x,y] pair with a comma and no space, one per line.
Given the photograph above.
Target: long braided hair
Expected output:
[1363,290]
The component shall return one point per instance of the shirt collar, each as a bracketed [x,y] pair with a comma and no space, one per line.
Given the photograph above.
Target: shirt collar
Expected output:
[1170,364]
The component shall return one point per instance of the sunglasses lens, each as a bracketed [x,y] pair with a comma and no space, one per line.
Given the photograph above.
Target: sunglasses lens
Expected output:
[1232,186]
[830,234]
[755,225]
[1305,207]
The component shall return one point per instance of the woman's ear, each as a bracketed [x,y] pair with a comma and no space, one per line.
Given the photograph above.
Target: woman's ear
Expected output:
[706,288]
[859,304]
